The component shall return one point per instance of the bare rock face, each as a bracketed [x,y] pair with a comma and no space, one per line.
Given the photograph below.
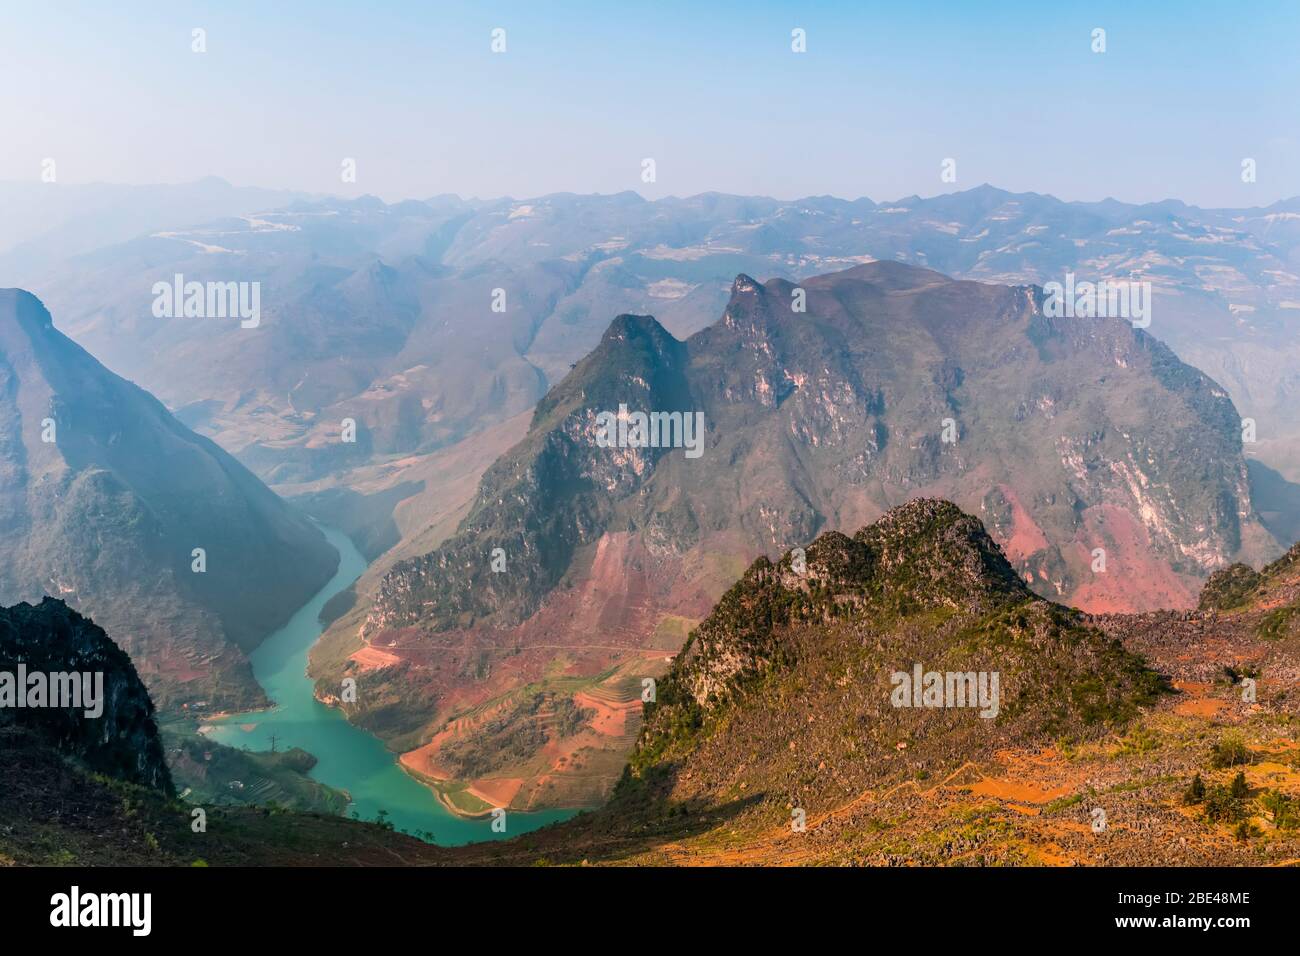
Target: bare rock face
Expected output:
[894,382]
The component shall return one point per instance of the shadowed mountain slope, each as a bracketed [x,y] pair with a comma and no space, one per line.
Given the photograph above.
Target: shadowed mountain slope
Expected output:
[116,736]
[104,498]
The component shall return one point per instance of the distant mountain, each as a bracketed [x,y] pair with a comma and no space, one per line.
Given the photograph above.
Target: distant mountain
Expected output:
[359,320]
[1110,473]
[384,313]
[47,223]
[104,499]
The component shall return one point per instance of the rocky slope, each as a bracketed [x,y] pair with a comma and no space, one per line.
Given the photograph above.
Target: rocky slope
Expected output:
[1110,473]
[775,738]
[1167,738]
[95,790]
[55,812]
[104,498]
[120,737]
[925,585]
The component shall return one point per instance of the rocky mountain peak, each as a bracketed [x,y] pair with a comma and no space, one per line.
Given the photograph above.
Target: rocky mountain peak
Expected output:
[931,552]
[23,308]
[924,555]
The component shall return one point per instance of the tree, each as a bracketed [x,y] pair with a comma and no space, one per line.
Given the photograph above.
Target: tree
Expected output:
[1239,790]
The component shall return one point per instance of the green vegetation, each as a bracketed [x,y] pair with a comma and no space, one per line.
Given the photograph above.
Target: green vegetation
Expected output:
[1283,808]
[1222,807]
[1229,588]
[1230,751]
[208,773]
[1279,622]
[1238,788]
[1063,803]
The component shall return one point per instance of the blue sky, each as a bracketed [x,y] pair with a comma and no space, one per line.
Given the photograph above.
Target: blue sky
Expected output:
[711,91]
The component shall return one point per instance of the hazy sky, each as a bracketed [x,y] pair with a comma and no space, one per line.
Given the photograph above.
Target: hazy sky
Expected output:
[710,91]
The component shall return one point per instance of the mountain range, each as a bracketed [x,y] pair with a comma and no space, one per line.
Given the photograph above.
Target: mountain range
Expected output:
[385,313]
[532,579]
[511,657]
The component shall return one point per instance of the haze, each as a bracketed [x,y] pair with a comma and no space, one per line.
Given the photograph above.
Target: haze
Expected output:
[714,95]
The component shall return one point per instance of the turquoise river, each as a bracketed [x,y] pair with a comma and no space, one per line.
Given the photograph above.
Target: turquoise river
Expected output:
[350,758]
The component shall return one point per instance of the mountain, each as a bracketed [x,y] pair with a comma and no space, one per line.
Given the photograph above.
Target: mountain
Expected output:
[104,499]
[46,224]
[786,697]
[923,584]
[359,320]
[384,313]
[779,736]
[116,733]
[511,657]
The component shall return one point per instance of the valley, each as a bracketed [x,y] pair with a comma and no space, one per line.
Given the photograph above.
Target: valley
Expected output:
[823,419]
[347,758]
[1164,738]
[860,440]
[109,502]
[515,572]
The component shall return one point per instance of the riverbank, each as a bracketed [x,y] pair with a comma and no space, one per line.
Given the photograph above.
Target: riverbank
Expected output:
[348,758]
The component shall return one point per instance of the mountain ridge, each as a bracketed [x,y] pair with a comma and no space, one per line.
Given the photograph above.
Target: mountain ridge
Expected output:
[1221,278]
[821,420]
[105,498]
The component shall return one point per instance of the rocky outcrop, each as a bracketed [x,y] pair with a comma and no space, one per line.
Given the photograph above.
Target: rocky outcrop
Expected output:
[924,588]
[116,736]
